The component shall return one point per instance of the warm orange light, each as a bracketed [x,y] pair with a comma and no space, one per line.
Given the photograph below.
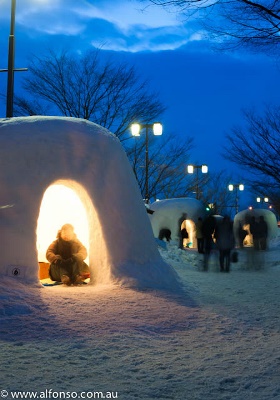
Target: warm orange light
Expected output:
[60,205]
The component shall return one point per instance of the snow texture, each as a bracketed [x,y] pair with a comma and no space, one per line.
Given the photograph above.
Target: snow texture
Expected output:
[215,337]
[217,340]
[37,152]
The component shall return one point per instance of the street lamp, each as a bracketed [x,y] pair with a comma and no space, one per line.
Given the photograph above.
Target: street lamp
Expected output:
[204,170]
[11,62]
[237,187]
[157,131]
[262,199]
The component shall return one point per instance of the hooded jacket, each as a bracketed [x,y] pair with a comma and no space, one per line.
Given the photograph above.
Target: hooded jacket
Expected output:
[66,249]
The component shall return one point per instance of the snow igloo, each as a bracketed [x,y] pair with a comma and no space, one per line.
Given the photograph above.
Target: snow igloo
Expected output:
[243,219]
[74,158]
[168,212]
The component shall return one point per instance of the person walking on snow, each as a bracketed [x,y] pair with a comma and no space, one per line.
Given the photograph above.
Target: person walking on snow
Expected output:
[208,229]
[199,235]
[225,242]
[263,232]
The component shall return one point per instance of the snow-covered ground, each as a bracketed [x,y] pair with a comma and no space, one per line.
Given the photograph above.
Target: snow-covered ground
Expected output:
[218,339]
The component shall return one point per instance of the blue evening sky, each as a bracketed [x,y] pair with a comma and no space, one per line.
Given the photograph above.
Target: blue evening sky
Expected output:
[204,91]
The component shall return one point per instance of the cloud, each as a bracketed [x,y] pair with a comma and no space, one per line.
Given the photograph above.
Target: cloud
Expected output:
[116,25]
[50,17]
[143,39]
[127,13]
[139,27]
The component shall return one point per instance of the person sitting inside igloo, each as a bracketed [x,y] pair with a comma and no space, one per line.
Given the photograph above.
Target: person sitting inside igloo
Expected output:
[66,255]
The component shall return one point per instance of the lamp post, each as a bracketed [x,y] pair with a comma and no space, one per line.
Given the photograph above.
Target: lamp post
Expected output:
[204,170]
[157,131]
[237,187]
[262,199]
[11,62]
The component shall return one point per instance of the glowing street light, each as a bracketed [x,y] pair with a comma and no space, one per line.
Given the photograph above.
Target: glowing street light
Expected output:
[204,170]
[262,199]
[157,131]
[232,187]
[237,187]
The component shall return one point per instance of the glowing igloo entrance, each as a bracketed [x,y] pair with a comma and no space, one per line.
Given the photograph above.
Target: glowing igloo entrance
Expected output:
[65,201]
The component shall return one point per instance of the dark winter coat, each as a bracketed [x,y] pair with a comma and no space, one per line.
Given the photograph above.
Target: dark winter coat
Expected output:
[224,235]
[263,229]
[66,249]
[255,228]
[198,228]
[208,227]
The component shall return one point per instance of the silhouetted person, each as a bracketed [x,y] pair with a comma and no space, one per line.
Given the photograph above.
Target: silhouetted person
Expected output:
[199,235]
[66,255]
[255,231]
[225,242]
[208,228]
[263,231]
[165,233]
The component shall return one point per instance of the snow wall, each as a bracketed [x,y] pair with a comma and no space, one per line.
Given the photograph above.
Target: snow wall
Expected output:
[244,217]
[168,212]
[37,152]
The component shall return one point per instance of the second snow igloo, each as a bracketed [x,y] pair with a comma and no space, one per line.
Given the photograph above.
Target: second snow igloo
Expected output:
[168,212]
[243,218]
[39,152]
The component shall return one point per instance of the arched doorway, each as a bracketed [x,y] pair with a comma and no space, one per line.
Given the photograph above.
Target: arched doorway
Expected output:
[66,201]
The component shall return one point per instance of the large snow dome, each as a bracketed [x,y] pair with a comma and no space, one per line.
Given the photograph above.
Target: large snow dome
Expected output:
[168,212]
[43,154]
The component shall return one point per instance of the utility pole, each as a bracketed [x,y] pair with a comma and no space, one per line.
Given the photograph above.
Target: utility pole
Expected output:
[11,64]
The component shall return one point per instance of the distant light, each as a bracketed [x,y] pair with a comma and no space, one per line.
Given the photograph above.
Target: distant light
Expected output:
[258,199]
[135,129]
[250,208]
[266,200]
[240,187]
[157,129]
[190,169]
[204,169]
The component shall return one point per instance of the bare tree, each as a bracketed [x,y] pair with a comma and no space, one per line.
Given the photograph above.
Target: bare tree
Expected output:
[167,163]
[256,147]
[249,23]
[111,95]
[108,93]
[216,192]
[212,191]
[254,25]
